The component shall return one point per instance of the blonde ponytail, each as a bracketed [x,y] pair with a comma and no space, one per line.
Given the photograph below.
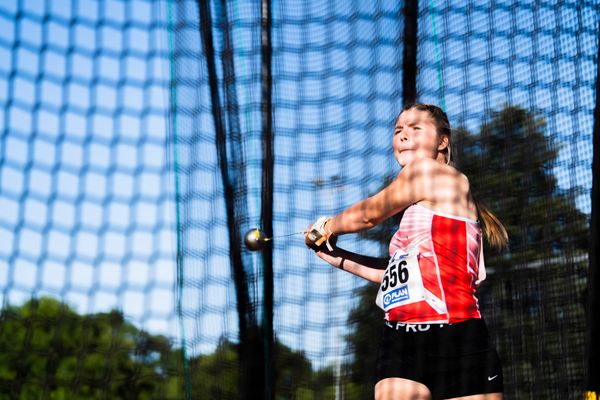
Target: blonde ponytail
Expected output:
[494,230]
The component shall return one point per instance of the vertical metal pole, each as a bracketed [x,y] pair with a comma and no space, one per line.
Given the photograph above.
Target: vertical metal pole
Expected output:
[409,53]
[267,194]
[593,317]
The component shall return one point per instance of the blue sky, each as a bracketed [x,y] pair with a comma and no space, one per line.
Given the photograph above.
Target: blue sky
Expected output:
[85,191]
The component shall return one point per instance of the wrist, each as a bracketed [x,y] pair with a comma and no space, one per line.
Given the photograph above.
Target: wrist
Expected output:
[329,226]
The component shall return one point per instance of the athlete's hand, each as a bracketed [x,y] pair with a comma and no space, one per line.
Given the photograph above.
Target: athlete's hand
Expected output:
[319,233]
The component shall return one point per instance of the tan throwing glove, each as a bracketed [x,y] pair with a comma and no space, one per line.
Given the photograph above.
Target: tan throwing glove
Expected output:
[319,233]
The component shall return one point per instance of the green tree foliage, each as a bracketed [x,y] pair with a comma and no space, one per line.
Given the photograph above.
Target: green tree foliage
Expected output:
[510,165]
[533,297]
[366,321]
[47,351]
[215,375]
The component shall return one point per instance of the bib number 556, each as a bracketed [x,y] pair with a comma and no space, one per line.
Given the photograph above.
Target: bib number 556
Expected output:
[396,274]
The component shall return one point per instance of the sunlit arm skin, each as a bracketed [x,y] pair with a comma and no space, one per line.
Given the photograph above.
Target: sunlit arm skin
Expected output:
[369,268]
[410,186]
[425,180]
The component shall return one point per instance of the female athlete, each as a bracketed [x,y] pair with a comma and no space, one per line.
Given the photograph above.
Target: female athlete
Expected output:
[435,344]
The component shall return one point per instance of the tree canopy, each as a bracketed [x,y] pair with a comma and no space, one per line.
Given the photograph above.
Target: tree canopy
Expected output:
[510,164]
[48,351]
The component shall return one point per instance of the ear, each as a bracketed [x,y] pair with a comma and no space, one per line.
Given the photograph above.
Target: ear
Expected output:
[443,143]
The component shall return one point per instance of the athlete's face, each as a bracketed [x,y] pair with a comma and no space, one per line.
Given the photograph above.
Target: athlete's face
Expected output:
[416,137]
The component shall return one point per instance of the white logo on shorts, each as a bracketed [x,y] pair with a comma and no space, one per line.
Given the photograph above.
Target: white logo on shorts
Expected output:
[493,377]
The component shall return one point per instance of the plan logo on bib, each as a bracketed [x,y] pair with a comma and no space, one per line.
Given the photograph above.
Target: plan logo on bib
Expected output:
[396,296]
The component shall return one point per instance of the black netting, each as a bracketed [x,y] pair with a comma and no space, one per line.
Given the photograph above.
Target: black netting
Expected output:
[123,271]
[87,221]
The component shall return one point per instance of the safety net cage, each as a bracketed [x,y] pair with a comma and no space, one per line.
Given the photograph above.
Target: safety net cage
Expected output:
[142,140]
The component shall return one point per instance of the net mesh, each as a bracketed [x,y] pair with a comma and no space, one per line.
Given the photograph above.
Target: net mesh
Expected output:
[87,225]
[118,228]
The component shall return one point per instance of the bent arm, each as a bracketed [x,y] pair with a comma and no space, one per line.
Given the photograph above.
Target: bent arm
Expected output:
[369,268]
[408,188]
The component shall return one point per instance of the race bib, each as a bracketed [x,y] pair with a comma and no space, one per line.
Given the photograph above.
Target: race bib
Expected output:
[402,283]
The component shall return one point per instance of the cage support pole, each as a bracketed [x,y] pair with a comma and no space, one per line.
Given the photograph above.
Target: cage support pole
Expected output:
[267,194]
[409,53]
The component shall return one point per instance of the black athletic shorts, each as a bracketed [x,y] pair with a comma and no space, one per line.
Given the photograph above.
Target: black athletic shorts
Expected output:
[452,360]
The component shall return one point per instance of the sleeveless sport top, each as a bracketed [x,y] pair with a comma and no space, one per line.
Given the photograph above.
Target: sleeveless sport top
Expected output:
[450,258]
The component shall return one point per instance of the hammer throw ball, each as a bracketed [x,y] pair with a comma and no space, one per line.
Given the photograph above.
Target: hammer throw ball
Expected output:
[255,239]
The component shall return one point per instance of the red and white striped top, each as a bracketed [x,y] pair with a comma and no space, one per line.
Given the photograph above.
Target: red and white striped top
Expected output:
[451,264]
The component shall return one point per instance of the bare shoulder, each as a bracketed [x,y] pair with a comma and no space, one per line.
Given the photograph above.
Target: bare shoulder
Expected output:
[436,182]
[452,175]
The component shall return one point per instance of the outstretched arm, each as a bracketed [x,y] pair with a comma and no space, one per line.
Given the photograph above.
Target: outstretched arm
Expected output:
[369,268]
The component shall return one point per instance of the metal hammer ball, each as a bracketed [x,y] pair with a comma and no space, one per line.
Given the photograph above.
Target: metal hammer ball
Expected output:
[255,239]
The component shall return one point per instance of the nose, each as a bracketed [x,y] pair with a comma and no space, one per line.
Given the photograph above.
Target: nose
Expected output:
[403,136]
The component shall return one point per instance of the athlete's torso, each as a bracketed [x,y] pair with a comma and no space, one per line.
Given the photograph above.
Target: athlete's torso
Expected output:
[450,261]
